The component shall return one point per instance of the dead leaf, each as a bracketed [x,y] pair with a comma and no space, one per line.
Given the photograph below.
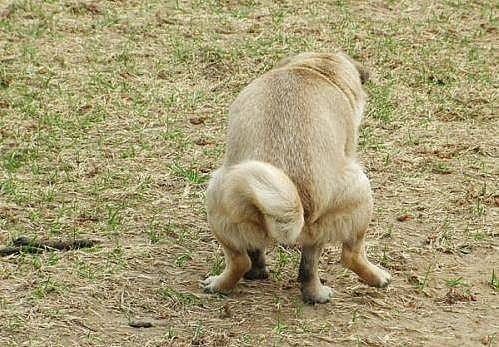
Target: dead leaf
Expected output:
[226,312]
[196,120]
[454,296]
[202,142]
[404,217]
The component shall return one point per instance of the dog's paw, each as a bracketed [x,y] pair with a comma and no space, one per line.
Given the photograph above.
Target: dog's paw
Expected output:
[384,279]
[257,274]
[320,295]
[210,284]
[213,284]
[379,278]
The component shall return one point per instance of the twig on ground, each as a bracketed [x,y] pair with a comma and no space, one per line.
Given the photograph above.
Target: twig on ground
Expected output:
[140,324]
[30,245]
[14,250]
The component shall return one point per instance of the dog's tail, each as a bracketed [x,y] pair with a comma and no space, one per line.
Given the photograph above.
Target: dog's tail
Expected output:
[255,184]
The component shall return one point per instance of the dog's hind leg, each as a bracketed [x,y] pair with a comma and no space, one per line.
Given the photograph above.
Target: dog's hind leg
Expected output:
[311,287]
[235,239]
[351,229]
[354,257]
[258,268]
[237,263]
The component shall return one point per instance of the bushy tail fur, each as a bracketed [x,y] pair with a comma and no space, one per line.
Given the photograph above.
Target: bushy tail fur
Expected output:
[257,184]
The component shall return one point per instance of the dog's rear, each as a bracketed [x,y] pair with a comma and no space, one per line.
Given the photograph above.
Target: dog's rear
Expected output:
[255,192]
[290,172]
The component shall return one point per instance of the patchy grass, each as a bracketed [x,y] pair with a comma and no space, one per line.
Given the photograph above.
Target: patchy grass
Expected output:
[112,115]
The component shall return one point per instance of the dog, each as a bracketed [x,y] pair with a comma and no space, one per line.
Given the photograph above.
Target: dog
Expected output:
[291,174]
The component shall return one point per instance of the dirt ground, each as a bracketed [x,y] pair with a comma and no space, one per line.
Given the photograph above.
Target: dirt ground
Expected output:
[113,113]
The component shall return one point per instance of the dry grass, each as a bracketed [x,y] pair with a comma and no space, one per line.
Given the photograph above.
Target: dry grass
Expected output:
[113,113]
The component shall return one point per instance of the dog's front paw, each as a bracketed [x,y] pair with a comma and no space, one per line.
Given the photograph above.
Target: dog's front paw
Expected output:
[213,284]
[319,295]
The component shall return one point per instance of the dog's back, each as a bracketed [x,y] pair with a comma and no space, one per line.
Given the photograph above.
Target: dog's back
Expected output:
[302,121]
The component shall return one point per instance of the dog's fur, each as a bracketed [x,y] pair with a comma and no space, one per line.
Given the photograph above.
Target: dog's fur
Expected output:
[291,173]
